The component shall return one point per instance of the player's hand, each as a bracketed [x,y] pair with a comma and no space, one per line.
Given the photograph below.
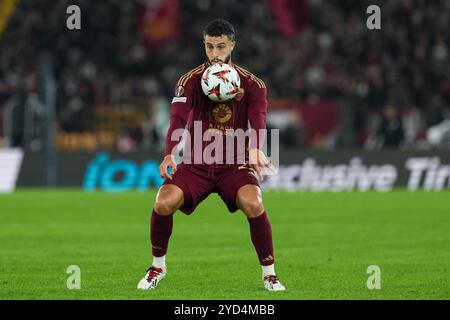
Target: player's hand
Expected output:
[259,163]
[168,162]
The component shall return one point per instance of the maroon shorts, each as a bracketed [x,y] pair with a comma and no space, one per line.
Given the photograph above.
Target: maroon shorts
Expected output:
[198,181]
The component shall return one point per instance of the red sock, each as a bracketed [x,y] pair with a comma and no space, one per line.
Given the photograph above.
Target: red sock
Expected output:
[160,231]
[261,234]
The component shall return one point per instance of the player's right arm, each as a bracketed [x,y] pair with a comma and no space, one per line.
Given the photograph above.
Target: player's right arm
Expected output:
[179,115]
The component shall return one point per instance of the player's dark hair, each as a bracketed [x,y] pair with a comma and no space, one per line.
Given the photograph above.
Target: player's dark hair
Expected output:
[219,27]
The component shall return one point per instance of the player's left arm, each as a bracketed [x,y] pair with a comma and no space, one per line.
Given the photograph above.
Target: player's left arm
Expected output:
[257,112]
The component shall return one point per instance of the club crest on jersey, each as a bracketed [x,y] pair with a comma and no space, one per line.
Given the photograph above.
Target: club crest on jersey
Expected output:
[240,94]
[222,113]
[179,91]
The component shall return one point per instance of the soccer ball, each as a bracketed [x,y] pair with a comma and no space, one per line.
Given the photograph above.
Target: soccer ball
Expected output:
[220,82]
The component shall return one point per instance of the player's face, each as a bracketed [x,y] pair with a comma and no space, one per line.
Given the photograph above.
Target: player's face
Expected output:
[218,49]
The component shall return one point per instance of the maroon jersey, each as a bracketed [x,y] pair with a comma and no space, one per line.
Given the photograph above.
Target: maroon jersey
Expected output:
[190,105]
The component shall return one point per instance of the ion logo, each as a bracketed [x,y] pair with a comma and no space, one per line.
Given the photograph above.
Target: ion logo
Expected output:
[120,175]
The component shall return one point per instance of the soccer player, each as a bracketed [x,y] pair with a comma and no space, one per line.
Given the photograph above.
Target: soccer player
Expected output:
[237,184]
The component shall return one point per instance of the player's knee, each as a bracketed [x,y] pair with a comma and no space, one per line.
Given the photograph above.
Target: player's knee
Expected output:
[252,208]
[165,207]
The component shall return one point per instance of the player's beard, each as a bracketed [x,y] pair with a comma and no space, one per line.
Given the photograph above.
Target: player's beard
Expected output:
[227,60]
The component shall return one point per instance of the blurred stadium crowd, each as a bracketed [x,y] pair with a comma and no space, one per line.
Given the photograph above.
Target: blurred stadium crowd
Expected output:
[332,82]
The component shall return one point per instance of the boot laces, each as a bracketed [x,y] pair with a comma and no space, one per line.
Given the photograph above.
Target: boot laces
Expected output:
[271,278]
[153,272]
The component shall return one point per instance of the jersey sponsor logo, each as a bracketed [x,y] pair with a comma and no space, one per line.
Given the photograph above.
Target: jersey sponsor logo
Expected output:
[179,91]
[222,113]
[179,99]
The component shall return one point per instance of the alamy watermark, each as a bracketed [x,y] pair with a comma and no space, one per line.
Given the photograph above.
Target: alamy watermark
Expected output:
[374,280]
[373,22]
[73,21]
[230,146]
[74,280]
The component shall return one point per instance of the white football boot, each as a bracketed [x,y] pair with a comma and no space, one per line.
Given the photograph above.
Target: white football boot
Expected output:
[272,283]
[152,278]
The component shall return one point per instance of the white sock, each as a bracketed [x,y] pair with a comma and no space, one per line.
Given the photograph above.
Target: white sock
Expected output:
[160,262]
[268,270]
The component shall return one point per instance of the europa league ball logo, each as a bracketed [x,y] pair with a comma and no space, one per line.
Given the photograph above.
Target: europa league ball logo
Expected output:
[222,113]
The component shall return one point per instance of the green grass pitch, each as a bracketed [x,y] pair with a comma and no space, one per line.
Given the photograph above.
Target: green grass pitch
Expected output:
[324,243]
